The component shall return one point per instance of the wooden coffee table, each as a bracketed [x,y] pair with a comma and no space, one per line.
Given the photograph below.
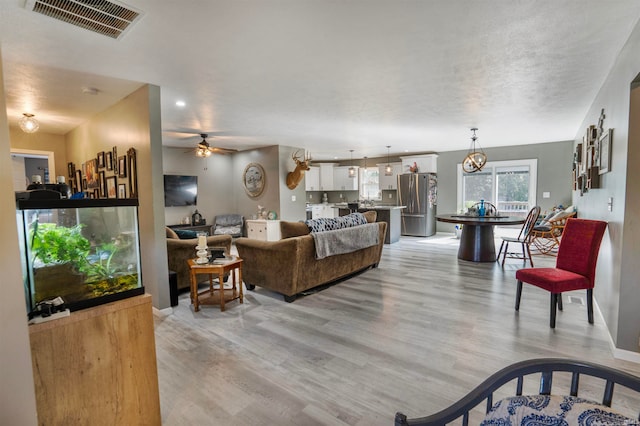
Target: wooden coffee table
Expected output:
[224,294]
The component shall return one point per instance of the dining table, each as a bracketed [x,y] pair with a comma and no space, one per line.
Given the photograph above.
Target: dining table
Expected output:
[477,239]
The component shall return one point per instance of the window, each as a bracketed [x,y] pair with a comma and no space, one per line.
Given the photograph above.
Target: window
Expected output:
[369,183]
[509,185]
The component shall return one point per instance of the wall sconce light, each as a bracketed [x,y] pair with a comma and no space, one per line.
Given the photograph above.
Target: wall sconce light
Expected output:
[28,123]
[388,171]
[352,170]
[476,158]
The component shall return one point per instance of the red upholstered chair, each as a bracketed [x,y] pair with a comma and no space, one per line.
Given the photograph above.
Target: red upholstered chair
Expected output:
[575,266]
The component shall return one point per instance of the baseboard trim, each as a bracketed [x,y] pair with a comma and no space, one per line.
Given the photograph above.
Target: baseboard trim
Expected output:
[621,354]
[161,313]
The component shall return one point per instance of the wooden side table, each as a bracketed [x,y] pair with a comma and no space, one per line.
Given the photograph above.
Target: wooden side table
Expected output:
[225,294]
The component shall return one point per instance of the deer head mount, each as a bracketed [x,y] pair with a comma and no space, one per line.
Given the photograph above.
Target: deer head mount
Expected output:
[294,177]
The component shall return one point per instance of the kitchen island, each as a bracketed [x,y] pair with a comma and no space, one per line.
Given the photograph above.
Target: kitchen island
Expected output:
[389,214]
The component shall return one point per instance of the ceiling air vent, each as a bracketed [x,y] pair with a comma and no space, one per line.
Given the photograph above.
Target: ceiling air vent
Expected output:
[104,17]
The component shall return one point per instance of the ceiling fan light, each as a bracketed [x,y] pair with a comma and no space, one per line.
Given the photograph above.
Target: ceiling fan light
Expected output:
[28,123]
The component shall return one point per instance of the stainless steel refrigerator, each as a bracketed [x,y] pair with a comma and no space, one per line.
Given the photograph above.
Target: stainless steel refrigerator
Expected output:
[419,193]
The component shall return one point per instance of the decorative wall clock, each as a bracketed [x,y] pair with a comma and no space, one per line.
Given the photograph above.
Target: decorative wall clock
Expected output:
[253,179]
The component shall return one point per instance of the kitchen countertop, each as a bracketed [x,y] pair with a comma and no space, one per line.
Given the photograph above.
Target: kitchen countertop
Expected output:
[361,207]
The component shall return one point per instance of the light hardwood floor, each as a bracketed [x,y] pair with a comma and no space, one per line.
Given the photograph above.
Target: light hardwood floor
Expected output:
[413,335]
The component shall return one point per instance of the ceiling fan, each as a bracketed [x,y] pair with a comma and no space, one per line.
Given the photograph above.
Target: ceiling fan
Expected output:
[205,150]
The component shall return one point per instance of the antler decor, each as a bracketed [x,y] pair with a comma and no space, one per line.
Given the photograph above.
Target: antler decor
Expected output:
[294,177]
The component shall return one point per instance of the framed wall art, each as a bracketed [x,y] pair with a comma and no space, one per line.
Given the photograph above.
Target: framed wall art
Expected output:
[253,179]
[605,151]
[102,184]
[108,160]
[111,184]
[78,180]
[90,173]
[100,160]
[122,190]
[114,160]
[122,166]
[133,173]
[71,170]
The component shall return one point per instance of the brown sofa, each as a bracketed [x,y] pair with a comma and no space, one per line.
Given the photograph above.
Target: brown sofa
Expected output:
[178,251]
[289,266]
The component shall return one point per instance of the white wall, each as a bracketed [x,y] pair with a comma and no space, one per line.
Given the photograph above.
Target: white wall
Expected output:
[18,401]
[216,193]
[617,291]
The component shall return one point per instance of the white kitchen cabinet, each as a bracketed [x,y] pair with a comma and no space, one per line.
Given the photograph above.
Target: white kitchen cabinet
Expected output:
[342,181]
[326,176]
[265,230]
[323,210]
[427,163]
[389,182]
[312,179]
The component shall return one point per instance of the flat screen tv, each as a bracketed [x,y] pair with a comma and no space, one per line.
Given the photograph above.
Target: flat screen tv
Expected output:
[180,190]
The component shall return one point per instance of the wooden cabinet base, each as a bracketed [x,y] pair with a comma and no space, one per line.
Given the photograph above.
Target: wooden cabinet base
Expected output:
[97,366]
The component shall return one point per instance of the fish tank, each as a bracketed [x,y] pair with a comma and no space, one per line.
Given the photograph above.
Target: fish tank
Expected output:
[85,251]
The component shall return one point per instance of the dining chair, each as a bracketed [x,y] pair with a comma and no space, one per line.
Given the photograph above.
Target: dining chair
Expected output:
[489,208]
[523,238]
[575,266]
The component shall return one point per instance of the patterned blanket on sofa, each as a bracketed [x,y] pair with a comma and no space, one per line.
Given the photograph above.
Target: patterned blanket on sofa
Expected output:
[347,240]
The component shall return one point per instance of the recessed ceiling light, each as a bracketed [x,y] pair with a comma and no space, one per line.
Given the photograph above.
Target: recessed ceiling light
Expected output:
[181,104]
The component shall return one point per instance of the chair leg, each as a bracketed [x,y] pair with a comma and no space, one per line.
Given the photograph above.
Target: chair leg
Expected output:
[506,249]
[499,251]
[559,301]
[590,305]
[554,304]
[518,295]
[528,246]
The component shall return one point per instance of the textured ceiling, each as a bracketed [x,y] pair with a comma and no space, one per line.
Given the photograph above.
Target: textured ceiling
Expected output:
[328,75]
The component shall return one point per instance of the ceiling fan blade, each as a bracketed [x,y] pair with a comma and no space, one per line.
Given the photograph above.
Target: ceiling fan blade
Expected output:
[219,150]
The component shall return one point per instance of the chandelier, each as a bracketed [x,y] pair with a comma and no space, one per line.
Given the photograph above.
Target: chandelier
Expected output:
[476,158]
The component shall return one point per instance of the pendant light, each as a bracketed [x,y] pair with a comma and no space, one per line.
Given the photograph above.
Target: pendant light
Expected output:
[352,170]
[476,158]
[28,123]
[388,171]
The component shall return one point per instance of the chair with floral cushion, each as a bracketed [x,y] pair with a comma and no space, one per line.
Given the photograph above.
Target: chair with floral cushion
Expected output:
[545,408]
[545,237]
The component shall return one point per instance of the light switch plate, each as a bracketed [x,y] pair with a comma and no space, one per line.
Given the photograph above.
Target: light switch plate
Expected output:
[546,195]
[293,198]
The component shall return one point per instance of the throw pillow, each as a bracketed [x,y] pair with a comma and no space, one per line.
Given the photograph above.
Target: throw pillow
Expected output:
[185,234]
[341,222]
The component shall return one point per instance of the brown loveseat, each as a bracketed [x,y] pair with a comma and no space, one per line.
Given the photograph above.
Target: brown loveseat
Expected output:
[289,266]
[178,251]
